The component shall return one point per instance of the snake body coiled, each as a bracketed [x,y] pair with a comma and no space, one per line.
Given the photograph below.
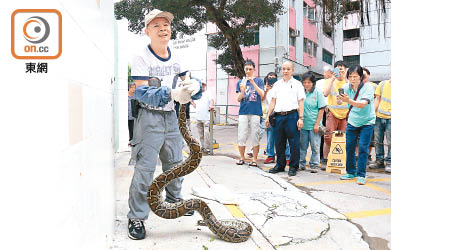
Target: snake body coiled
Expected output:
[227,230]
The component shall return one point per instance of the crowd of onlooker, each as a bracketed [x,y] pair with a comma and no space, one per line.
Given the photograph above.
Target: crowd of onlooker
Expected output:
[297,115]
[301,114]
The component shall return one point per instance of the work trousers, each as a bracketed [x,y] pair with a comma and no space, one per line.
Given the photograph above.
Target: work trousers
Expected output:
[156,133]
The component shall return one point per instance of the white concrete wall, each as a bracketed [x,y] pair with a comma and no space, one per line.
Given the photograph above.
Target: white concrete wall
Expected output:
[338,41]
[375,50]
[57,150]
[126,47]
[374,46]
[327,44]
[350,48]
[351,21]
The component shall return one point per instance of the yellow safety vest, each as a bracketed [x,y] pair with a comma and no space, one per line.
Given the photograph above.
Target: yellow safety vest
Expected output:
[384,108]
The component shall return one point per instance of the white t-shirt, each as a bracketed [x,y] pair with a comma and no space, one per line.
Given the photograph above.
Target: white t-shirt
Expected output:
[202,108]
[146,64]
[320,85]
[287,94]
[269,97]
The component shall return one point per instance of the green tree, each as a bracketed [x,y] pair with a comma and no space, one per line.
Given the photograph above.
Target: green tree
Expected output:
[236,20]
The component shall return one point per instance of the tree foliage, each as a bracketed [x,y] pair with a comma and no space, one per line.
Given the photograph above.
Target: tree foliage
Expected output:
[236,21]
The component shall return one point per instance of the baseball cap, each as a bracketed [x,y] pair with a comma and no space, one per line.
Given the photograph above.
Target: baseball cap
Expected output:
[157,13]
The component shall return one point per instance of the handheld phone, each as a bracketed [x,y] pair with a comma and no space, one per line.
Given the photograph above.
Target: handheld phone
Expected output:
[336,72]
[271,81]
[341,91]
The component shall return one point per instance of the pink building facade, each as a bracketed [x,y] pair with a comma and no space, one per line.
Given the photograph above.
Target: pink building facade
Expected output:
[284,41]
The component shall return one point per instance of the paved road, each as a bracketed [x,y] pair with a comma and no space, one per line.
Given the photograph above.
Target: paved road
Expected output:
[368,207]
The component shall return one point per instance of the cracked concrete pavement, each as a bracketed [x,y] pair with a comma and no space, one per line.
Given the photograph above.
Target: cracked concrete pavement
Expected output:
[368,207]
[282,215]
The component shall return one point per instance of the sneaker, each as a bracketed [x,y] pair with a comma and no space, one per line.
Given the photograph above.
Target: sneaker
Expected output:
[287,162]
[388,169]
[323,165]
[361,181]
[376,165]
[136,229]
[313,169]
[302,167]
[348,177]
[269,160]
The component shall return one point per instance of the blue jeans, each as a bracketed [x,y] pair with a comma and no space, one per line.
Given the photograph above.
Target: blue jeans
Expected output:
[365,134]
[262,126]
[382,126]
[286,129]
[271,145]
[308,137]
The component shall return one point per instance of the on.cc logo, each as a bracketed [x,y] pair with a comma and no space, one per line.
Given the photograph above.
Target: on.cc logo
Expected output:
[36,34]
[39,26]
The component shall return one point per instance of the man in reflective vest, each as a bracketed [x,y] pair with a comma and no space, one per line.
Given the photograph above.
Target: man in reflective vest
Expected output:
[337,113]
[383,125]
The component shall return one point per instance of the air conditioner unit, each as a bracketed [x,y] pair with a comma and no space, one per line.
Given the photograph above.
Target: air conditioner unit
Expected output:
[295,33]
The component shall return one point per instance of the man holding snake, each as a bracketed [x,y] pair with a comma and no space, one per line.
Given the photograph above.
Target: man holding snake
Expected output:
[156,131]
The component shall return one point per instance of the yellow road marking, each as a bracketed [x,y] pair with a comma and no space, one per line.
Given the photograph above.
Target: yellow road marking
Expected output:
[235,211]
[363,214]
[337,182]
[185,154]
[370,185]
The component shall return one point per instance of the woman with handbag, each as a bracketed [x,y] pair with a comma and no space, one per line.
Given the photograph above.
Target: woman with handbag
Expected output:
[361,121]
[313,113]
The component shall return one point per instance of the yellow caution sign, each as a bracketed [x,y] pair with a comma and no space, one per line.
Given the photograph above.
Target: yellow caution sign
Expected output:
[337,155]
[215,144]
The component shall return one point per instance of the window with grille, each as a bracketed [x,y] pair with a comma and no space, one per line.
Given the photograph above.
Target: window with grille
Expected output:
[309,12]
[309,47]
[351,34]
[327,57]
[351,60]
[292,40]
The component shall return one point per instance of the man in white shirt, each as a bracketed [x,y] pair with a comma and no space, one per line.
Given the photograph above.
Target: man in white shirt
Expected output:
[202,108]
[287,103]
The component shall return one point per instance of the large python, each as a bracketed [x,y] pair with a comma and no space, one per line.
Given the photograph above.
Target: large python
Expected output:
[227,230]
